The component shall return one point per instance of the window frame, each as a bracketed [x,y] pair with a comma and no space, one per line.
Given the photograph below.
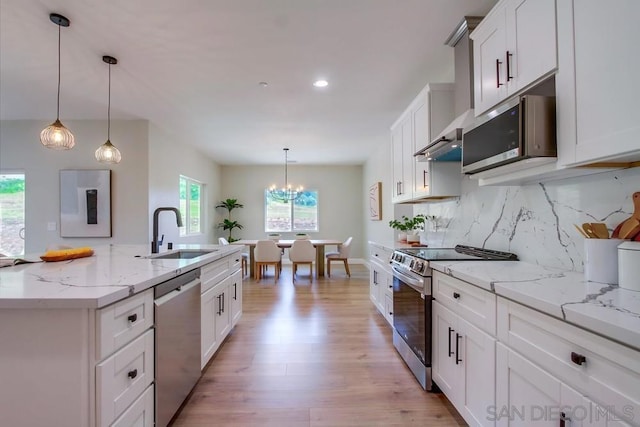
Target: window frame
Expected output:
[292,215]
[186,229]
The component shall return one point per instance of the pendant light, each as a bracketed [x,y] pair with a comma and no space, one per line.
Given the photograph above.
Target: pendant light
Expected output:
[107,152]
[286,193]
[56,136]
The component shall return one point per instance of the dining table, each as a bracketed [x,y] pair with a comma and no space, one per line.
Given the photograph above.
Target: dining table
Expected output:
[319,244]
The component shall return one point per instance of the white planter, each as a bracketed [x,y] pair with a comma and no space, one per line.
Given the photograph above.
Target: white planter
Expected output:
[275,237]
[402,237]
[413,238]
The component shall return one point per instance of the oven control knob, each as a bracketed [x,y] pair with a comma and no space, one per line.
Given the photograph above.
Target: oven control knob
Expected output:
[418,266]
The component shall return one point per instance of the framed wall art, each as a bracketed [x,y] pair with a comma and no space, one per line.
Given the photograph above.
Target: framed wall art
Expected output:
[375,202]
[85,203]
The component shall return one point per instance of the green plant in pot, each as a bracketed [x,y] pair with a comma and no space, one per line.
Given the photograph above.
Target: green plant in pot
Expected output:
[228,224]
[407,227]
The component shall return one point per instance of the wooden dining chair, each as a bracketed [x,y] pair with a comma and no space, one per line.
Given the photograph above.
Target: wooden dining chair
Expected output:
[341,255]
[245,256]
[302,252]
[265,254]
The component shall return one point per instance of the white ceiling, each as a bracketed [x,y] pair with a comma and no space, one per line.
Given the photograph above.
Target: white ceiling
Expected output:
[193,68]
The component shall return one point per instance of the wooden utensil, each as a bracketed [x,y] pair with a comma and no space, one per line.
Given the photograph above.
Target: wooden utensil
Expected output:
[630,227]
[581,231]
[587,229]
[601,230]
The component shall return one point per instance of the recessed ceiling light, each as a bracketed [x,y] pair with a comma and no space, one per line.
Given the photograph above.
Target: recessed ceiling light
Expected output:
[263,84]
[454,145]
[321,83]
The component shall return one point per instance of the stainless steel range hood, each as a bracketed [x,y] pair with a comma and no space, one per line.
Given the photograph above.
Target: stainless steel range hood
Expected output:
[447,146]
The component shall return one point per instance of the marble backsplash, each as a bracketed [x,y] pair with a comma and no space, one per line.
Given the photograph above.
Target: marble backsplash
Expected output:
[536,222]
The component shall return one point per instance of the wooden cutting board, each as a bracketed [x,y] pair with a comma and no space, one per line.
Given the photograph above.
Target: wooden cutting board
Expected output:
[630,228]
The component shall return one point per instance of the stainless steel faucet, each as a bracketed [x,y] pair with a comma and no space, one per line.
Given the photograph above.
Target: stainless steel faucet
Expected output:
[155,244]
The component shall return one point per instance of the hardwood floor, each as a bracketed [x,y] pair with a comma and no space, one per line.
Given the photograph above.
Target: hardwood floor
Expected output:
[311,354]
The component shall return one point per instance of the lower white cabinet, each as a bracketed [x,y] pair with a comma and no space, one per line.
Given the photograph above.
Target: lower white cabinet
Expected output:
[464,365]
[381,281]
[606,373]
[220,305]
[141,413]
[528,395]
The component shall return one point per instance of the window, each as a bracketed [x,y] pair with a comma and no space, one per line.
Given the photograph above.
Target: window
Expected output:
[191,193]
[12,214]
[301,215]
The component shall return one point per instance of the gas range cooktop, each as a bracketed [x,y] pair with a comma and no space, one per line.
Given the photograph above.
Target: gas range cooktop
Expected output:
[417,259]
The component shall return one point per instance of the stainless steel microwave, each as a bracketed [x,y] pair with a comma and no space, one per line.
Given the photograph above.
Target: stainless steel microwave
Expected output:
[522,128]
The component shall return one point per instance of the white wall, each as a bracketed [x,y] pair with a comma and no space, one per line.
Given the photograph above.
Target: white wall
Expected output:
[378,169]
[169,158]
[340,195]
[21,150]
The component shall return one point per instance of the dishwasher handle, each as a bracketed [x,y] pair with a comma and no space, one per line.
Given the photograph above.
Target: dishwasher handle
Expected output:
[179,291]
[175,283]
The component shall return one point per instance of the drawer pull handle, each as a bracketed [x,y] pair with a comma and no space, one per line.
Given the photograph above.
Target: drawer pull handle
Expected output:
[456,295]
[132,318]
[450,352]
[133,374]
[578,359]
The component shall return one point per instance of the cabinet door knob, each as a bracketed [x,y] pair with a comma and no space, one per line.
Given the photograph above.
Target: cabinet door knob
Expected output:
[133,374]
[132,318]
[578,359]
[456,295]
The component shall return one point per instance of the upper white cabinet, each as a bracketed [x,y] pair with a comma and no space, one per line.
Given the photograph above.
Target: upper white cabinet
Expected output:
[514,46]
[426,116]
[597,82]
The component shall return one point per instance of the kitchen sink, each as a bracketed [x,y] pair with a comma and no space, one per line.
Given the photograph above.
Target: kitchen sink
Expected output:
[182,254]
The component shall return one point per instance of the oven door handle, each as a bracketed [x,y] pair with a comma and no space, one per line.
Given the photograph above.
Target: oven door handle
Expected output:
[416,284]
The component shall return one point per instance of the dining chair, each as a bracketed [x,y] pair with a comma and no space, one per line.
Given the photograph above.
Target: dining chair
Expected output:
[302,252]
[245,256]
[341,255]
[265,254]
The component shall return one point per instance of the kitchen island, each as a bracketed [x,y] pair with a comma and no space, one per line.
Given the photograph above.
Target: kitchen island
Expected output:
[78,336]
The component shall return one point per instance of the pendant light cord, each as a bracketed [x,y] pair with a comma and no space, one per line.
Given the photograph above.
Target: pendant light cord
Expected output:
[109,109]
[58,105]
[286,183]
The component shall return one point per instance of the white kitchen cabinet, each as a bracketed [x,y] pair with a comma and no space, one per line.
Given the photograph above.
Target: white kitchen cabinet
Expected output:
[220,304]
[464,346]
[527,394]
[463,364]
[606,372]
[427,115]
[75,367]
[141,413]
[401,150]
[381,281]
[514,46]
[597,82]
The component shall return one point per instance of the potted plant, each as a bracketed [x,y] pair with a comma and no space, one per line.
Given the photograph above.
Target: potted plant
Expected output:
[228,223]
[302,236]
[274,236]
[408,227]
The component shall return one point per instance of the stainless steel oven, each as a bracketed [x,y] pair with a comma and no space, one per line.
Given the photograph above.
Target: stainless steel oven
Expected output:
[412,301]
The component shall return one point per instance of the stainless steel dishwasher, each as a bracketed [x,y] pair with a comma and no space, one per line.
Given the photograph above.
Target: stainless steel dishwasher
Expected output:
[177,319]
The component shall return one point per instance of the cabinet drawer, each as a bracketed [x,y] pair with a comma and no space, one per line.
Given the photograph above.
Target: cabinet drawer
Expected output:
[211,274]
[123,377]
[140,413]
[468,301]
[121,322]
[604,371]
[382,255]
[235,261]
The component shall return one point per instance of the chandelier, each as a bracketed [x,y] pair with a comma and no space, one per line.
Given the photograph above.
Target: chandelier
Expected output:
[286,193]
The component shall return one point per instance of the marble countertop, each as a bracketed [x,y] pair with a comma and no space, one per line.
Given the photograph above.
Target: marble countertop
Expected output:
[114,272]
[608,310]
